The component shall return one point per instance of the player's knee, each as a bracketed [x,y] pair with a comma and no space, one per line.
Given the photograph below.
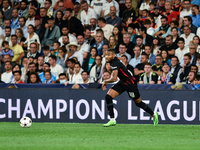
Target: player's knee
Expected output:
[108,99]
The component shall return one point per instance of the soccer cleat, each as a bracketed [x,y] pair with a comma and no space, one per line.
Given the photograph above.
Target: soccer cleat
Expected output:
[155,119]
[110,123]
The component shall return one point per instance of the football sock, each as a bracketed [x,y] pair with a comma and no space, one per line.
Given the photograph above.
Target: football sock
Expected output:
[145,107]
[110,105]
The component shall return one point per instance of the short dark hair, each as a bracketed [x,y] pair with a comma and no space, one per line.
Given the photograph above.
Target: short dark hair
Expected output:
[102,19]
[131,25]
[111,50]
[34,44]
[53,57]
[147,21]
[125,56]
[14,35]
[57,42]
[83,2]
[4,43]
[188,55]
[175,57]
[144,29]
[17,72]
[69,9]
[98,56]
[123,44]
[169,36]
[77,63]
[48,70]
[147,57]
[84,72]
[9,62]
[8,28]
[164,17]
[22,17]
[62,74]
[139,36]
[50,1]
[189,18]
[46,47]
[175,22]
[196,6]
[181,39]
[148,64]
[71,60]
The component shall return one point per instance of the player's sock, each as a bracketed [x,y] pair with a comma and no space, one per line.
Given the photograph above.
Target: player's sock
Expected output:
[110,105]
[145,107]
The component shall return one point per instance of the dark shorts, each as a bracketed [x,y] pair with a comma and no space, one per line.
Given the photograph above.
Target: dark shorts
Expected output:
[131,89]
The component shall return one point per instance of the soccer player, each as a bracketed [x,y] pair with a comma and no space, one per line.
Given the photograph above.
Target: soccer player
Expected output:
[127,83]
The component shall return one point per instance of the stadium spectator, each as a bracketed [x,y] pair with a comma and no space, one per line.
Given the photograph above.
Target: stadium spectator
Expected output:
[31,68]
[56,46]
[122,51]
[139,69]
[157,16]
[7,23]
[61,8]
[61,58]
[112,42]
[96,71]
[17,50]
[156,46]
[23,11]
[175,68]
[186,67]
[132,31]
[150,30]
[169,45]
[181,50]
[195,16]
[38,29]
[67,4]
[165,77]
[20,37]
[7,9]
[147,39]
[136,60]
[196,40]
[17,77]
[6,58]
[31,17]
[33,52]
[22,25]
[87,35]
[86,14]
[129,12]
[175,34]
[169,13]
[124,58]
[191,78]
[7,36]
[84,47]
[6,51]
[93,26]
[49,8]
[148,77]
[46,66]
[48,79]
[99,42]
[55,68]
[62,78]
[151,56]
[106,8]
[73,51]
[157,67]
[107,28]
[84,80]
[117,34]
[47,53]
[113,19]
[77,10]
[73,24]
[76,78]
[5,77]
[34,78]
[15,19]
[139,42]
[97,5]
[188,22]
[70,69]
[40,63]
[188,36]
[143,6]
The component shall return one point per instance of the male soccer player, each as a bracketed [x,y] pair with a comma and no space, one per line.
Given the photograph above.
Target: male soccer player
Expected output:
[127,83]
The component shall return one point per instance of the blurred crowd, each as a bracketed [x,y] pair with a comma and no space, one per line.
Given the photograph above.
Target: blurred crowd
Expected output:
[65,41]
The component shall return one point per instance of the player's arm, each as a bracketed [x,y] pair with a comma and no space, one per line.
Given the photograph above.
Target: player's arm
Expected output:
[112,79]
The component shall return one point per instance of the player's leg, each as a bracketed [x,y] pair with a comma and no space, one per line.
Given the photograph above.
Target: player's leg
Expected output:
[139,103]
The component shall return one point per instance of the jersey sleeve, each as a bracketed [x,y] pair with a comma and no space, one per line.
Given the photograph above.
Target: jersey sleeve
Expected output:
[115,65]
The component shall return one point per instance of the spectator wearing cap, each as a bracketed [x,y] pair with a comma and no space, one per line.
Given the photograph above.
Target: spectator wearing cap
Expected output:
[55,68]
[23,11]
[38,27]
[31,17]
[157,16]
[73,51]
[7,9]
[46,66]
[52,33]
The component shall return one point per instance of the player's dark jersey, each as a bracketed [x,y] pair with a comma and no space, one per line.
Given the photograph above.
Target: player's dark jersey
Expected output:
[123,73]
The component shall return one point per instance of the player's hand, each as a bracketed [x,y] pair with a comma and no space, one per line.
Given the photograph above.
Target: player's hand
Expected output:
[104,85]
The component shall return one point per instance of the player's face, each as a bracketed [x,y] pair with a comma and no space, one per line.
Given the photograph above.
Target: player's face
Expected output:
[109,56]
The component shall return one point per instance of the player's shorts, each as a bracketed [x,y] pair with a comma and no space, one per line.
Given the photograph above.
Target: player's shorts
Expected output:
[130,88]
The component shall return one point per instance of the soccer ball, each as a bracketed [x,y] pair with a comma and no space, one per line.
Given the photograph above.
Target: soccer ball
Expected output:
[25,122]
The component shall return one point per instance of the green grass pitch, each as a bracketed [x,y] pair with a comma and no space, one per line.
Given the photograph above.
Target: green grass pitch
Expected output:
[69,136]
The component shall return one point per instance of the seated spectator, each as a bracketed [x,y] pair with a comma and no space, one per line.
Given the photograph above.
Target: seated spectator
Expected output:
[188,36]
[15,19]
[122,51]
[6,76]
[40,63]
[99,42]
[70,69]
[84,47]
[31,17]
[77,10]
[188,22]
[157,67]
[186,67]
[148,77]
[39,29]
[97,5]
[136,60]
[156,46]
[195,15]
[165,77]
[6,58]
[20,37]
[23,11]
[61,58]
[76,78]
[85,80]
[48,79]
[150,30]
[126,21]
[175,68]
[49,7]
[144,5]
[139,42]
[59,18]
[105,48]
[56,46]
[157,17]
[17,77]
[174,33]
[106,76]
[151,56]
[23,27]
[46,66]
[87,35]
[89,62]
[55,33]
[152,5]
[198,66]
[132,32]
[181,50]
[31,68]
[6,51]
[196,40]
[117,34]
[55,68]
[93,26]
[16,67]
[67,4]
[113,19]
[7,36]
[73,51]
[96,71]
[129,12]
[33,52]
[191,78]
[177,7]
[169,45]
[62,78]
[112,42]
[107,28]
[124,58]
[169,13]
[139,69]
[165,57]
[7,9]
[17,50]
[47,53]
[106,8]
[34,78]
[143,17]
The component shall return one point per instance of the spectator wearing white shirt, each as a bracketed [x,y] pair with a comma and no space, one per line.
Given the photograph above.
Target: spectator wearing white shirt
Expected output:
[86,14]
[84,47]
[76,78]
[6,76]
[185,12]
[84,80]
[107,28]
[188,36]
[97,5]
[31,17]
[106,8]
[182,50]
[55,68]
[157,16]
[144,5]
[150,30]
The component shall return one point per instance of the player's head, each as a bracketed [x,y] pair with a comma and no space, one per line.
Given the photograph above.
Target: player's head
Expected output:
[110,54]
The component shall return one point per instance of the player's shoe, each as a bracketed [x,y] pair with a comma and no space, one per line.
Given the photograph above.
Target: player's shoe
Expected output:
[155,119]
[110,123]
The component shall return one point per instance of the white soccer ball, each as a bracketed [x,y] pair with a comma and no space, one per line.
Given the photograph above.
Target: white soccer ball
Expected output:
[25,122]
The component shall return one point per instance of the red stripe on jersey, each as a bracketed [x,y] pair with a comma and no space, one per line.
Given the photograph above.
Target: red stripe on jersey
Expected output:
[126,75]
